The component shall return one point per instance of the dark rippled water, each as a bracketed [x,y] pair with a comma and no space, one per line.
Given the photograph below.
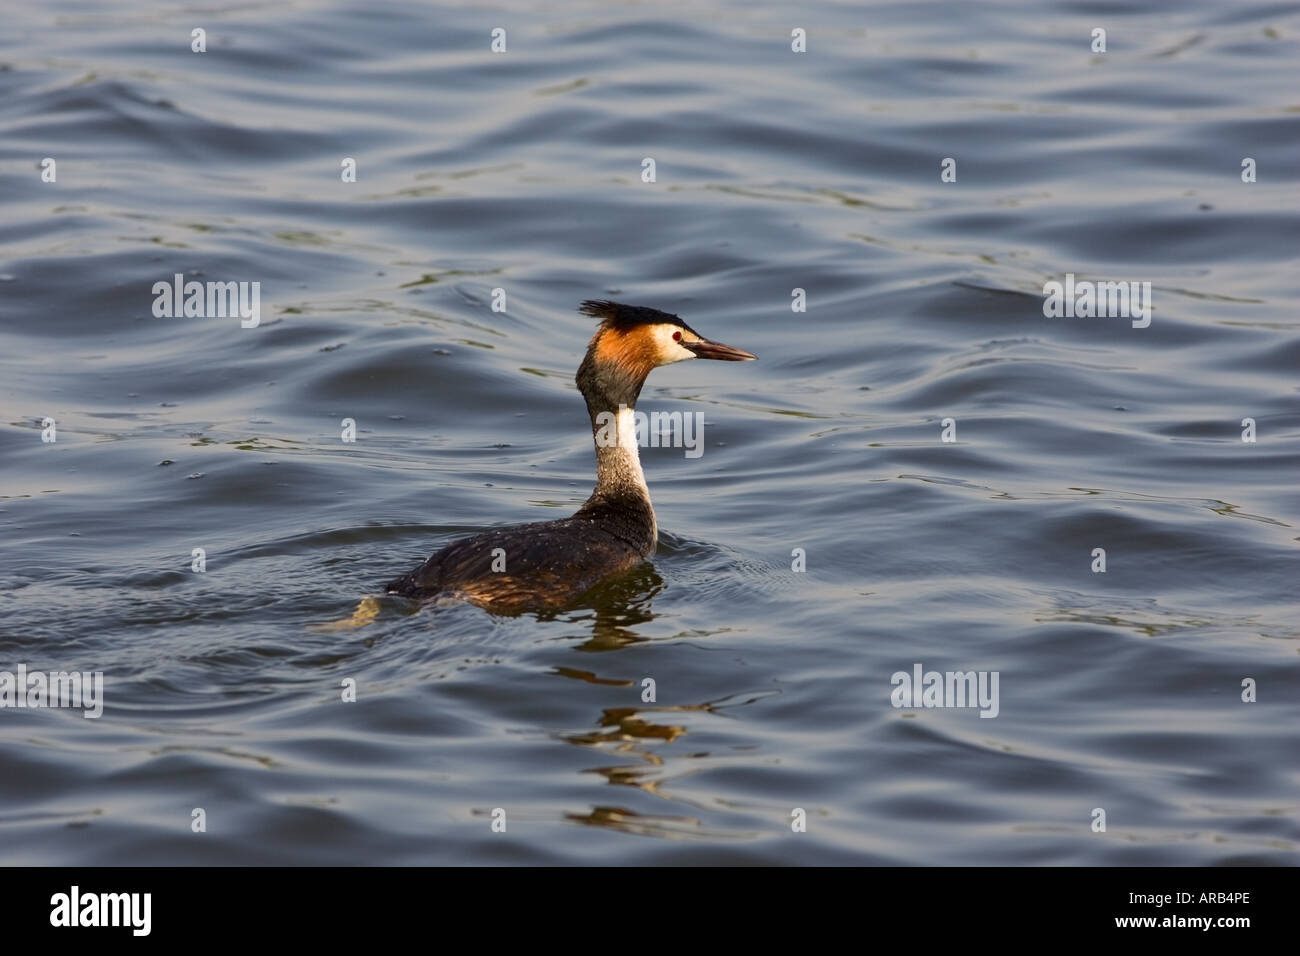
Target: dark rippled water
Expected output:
[775,170]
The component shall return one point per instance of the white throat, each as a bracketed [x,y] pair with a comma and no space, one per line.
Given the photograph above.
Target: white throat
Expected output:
[618,459]
[622,448]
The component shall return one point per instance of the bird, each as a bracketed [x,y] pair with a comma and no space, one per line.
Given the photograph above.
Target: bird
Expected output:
[550,564]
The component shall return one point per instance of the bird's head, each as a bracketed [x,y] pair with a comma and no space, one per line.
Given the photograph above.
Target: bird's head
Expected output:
[633,340]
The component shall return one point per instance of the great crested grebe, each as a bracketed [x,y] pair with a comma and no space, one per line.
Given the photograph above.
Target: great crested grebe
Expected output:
[548,564]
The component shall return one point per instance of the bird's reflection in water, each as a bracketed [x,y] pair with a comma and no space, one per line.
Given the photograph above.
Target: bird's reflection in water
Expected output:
[616,606]
[641,824]
[613,611]
[635,732]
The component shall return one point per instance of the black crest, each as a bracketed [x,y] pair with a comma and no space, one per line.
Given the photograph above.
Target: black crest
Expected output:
[620,316]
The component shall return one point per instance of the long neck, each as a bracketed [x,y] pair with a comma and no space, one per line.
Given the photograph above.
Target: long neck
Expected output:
[618,462]
[621,499]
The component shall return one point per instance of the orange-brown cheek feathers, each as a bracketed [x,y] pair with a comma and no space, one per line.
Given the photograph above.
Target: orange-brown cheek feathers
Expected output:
[633,353]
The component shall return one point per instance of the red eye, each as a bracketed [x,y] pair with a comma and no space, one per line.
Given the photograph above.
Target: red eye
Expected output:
[677,336]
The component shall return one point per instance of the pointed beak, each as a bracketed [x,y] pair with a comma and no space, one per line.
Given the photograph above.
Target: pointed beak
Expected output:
[716,350]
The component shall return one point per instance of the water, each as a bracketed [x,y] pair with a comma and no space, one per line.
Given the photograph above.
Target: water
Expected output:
[774,171]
